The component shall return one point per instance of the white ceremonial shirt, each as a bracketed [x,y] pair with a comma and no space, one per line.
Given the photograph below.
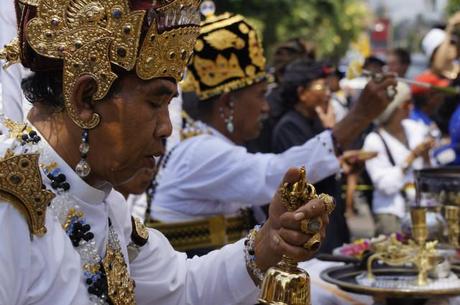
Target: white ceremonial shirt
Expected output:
[46,270]
[14,104]
[389,180]
[209,175]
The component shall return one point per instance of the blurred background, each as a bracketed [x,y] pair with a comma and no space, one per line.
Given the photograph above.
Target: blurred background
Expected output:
[367,26]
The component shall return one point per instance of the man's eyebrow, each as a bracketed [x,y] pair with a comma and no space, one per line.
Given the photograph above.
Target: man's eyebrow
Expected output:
[163,90]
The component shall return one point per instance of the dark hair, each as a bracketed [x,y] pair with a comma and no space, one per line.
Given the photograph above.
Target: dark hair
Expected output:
[289,51]
[374,60]
[46,87]
[419,100]
[196,109]
[403,56]
[299,73]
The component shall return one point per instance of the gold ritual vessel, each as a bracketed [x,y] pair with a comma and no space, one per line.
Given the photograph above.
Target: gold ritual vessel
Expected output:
[422,254]
[286,284]
[451,214]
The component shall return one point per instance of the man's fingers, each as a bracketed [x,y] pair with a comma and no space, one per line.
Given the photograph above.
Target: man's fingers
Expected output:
[389,80]
[312,209]
[295,252]
[294,237]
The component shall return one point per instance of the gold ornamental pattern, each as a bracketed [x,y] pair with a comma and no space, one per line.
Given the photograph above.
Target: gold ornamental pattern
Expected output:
[21,186]
[224,39]
[166,54]
[120,285]
[213,73]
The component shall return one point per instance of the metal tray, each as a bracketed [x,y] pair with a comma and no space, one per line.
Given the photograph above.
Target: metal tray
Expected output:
[345,278]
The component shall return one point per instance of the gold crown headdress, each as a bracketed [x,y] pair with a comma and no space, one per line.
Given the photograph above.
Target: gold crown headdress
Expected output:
[228,55]
[91,35]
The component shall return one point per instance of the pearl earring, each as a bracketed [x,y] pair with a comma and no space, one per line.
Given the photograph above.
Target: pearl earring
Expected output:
[83,169]
[228,120]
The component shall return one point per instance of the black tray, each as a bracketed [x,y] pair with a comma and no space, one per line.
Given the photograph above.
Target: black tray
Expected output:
[345,278]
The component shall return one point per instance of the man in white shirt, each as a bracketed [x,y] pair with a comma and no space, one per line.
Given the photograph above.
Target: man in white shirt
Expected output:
[100,114]
[401,144]
[210,176]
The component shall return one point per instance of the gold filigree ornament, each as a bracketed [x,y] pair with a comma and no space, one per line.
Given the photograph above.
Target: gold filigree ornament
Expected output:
[169,60]
[120,285]
[11,53]
[294,195]
[21,185]
[91,35]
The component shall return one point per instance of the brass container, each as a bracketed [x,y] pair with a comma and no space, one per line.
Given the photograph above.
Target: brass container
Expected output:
[286,284]
[419,227]
[451,213]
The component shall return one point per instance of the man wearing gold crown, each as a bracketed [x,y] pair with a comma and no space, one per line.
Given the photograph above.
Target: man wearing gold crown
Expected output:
[206,180]
[104,73]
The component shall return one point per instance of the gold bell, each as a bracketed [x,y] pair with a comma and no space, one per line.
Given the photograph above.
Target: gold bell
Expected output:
[286,284]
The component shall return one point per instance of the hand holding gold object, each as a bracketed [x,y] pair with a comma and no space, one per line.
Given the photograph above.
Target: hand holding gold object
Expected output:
[286,284]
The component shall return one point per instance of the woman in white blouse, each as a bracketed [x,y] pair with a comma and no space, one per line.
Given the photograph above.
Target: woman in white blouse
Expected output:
[403,145]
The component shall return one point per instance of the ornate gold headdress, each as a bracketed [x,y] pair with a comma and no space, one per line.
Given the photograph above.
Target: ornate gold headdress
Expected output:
[91,35]
[228,56]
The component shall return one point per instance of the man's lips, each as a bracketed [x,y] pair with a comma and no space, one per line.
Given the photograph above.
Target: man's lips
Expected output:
[149,162]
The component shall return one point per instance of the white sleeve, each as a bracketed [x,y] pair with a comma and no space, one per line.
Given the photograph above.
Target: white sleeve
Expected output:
[15,249]
[12,97]
[229,173]
[385,177]
[166,277]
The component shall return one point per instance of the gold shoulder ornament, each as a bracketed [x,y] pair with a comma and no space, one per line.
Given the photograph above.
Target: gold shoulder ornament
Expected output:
[21,186]
[139,234]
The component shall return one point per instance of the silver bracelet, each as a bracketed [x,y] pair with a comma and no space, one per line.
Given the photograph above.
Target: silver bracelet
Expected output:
[250,255]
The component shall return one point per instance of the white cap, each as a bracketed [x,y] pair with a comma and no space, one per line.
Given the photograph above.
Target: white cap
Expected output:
[432,40]
[403,94]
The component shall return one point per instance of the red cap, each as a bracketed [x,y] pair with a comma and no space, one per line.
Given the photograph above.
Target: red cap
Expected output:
[428,77]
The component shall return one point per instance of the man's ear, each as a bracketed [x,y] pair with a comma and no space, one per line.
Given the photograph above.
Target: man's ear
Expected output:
[223,103]
[300,93]
[82,97]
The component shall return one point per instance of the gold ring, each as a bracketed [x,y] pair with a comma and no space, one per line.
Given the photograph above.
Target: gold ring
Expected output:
[391,92]
[313,243]
[328,202]
[378,77]
[311,226]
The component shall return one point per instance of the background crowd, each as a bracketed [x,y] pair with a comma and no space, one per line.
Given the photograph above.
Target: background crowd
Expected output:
[311,92]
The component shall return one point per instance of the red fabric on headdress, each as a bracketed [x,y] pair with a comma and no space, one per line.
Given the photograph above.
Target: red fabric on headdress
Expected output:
[143,4]
[428,77]
[29,58]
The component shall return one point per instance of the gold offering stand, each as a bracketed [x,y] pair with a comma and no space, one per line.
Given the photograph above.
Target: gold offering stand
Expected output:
[420,253]
[403,277]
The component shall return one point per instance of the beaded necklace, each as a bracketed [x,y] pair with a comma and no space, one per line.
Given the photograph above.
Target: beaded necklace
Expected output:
[107,278]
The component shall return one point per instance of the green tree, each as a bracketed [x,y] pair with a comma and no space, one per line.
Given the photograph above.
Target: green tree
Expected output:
[452,7]
[330,24]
